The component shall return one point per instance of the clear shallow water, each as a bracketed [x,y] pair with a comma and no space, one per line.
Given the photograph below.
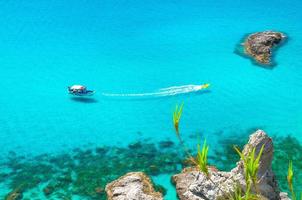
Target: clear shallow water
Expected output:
[139,47]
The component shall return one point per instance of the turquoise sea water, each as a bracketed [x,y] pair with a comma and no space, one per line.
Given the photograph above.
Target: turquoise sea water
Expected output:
[140,47]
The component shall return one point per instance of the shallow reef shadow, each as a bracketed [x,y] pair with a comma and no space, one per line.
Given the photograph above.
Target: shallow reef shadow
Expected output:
[85,171]
[83,100]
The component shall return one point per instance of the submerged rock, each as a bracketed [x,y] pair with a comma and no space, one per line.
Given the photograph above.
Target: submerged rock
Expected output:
[191,184]
[99,190]
[14,195]
[48,190]
[134,186]
[166,144]
[259,45]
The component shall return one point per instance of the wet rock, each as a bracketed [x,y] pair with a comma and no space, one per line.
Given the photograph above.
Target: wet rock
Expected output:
[14,195]
[259,45]
[134,186]
[191,184]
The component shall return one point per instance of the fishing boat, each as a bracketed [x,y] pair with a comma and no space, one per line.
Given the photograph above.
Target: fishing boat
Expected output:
[80,90]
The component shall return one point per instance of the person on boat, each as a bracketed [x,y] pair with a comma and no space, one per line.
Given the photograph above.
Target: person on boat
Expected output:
[80,90]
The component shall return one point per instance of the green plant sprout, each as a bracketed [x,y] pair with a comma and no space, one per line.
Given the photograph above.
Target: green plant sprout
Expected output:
[177,113]
[290,175]
[251,162]
[238,194]
[251,165]
[201,161]
[202,158]
[176,117]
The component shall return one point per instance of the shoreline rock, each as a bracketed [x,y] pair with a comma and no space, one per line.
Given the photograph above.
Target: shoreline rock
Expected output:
[260,45]
[191,184]
[134,186]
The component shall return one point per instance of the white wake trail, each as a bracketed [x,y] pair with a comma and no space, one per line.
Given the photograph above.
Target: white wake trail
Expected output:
[170,91]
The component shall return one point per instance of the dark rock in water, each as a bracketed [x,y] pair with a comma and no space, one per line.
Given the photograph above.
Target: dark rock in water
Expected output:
[48,190]
[3,176]
[259,45]
[101,150]
[154,170]
[136,145]
[14,195]
[166,144]
[99,190]
[191,184]
[134,186]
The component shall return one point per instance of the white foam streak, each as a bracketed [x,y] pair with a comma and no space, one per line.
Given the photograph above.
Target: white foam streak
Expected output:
[170,91]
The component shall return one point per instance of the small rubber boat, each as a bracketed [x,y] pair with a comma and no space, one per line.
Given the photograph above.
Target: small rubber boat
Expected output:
[80,90]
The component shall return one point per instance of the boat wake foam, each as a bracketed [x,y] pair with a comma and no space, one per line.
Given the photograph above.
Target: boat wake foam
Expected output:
[170,91]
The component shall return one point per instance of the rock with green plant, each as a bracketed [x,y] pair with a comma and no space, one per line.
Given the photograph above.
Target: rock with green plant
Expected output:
[193,184]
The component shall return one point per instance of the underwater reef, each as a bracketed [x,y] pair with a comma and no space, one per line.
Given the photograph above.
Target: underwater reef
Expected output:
[84,173]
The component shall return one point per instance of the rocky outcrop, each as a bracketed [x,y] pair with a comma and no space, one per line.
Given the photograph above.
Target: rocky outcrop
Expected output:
[14,195]
[134,186]
[259,45]
[191,184]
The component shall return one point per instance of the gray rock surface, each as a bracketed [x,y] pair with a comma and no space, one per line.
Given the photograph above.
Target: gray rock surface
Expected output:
[132,186]
[191,184]
[259,45]
[284,196]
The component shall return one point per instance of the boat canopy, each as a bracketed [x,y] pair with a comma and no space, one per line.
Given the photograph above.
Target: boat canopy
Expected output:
[77,87]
